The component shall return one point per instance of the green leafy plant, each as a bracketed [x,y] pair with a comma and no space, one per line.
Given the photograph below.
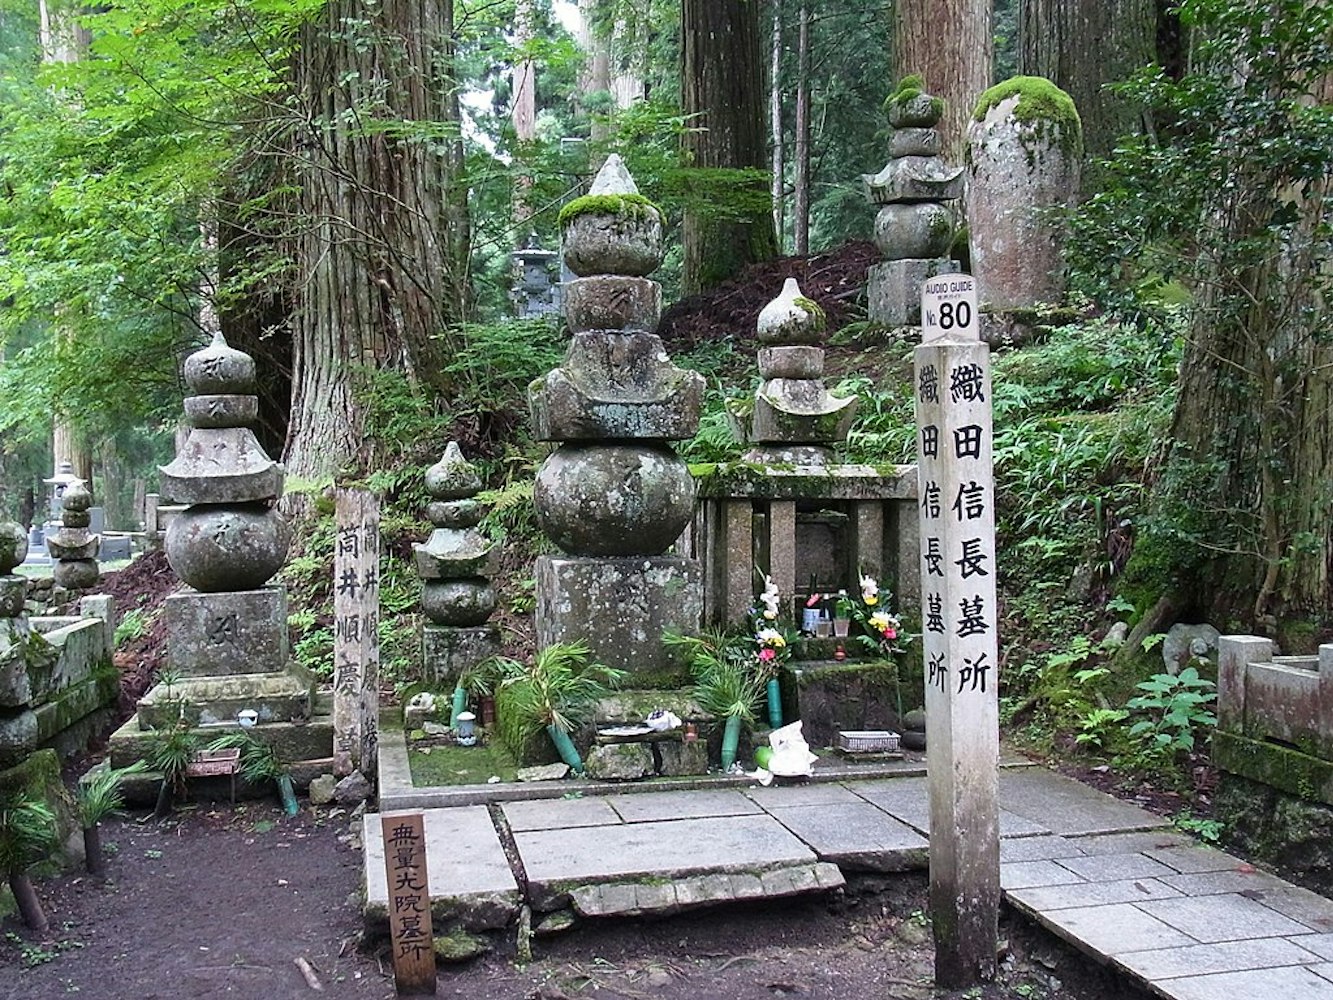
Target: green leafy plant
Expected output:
[1177,709]
[1207,830]
[133,625]
[1097,725]
[170,752]
[728,682]
[99,797]
[27,832]
[555,691]
[259,762]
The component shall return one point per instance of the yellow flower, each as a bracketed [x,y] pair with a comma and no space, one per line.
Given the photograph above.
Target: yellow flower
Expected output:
[870,598]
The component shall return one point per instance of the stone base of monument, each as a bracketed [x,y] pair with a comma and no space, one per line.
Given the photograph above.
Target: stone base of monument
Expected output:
[447,651]
[621,607]
[893,288]
[830,696]
[236,632]
[303,747]
[281,697]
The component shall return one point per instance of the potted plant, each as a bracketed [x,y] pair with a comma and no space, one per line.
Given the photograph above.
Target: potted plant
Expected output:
[725,685]
[27,832]
[555,691]
[99,797]
[259,763]
[170,752]
[842,613]
[880,629]
[772,644]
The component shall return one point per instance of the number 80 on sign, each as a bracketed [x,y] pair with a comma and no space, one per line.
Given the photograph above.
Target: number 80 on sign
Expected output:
[949,308]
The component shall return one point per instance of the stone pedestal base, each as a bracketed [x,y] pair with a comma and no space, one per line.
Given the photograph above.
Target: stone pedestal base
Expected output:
[447,652]
[235,632]
[893,289]
[621,607]
[202,701]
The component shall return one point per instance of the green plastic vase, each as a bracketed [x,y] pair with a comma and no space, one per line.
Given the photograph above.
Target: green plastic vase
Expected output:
[460,703]
[774,703]
[565,747]
[731,739]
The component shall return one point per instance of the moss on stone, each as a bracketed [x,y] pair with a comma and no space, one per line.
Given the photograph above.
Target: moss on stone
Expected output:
[632,205]
[1047,111]
[813,308]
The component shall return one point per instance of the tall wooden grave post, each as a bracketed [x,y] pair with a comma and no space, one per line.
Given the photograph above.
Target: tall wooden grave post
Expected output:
[356,640]
[958,614]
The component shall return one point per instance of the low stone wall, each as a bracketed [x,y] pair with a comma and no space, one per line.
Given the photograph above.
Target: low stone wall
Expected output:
[1274,749]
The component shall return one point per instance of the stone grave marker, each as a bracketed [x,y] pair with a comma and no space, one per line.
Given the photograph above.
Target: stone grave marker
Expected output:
[958,614]
[409,904]
[356,641]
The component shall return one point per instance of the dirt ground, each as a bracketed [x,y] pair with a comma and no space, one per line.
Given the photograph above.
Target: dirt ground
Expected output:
[219,903]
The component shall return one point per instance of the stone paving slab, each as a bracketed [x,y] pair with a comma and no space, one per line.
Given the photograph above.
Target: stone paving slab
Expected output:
[650,850]
[1116,867]
[1193,860]
[682,805]
[1128,843]
[1227,917]
[1083,894]
[907,799]
[466,870]
[1247,880]
[808,795]
[1319,944]
[1068,807]
[856,835]
[559,814]
[1205,959]
[1310,908]
[1046,847]
[620,899]
[1291,983]
[1031,874]
[1112,929]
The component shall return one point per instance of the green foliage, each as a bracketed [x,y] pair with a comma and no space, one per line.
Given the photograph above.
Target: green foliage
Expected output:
[1040,102]
[728,681]
[1176,710]
[134,624]
[170,752]
[102,796]
[558,687]
[27,831]
[259,760]
[1208,830]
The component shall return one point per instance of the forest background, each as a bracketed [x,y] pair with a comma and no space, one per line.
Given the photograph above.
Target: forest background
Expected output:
[338,187]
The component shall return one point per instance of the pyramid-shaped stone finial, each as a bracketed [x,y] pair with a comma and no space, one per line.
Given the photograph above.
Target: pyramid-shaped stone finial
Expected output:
[614,178]
[456,562]
[790,318]
[453,477]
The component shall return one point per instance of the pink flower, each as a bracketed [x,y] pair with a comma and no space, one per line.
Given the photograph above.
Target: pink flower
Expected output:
[767,654]
[889,633]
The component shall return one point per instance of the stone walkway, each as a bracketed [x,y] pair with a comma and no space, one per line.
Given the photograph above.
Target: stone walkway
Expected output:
[1182,920]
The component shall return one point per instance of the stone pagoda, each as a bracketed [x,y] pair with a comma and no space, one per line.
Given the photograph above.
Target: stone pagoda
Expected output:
[614,496]
[796,421]
[915,225]
[227,629]
[74,548]
[455,565]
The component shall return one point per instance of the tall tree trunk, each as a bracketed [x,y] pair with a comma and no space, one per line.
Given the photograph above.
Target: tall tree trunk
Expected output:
[596,75]
[949,45]
[722,87]
[775,125]
[1083,45]
[382,260]
[801,210]
[525,116]
[63,40]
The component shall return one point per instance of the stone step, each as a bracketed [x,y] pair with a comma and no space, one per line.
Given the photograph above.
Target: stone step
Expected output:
[660,898]
[294,741]
[277,697]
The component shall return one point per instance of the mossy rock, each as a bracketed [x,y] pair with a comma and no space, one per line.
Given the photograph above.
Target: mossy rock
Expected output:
[459,945]
[1043,107]
[39,778]
[909,106]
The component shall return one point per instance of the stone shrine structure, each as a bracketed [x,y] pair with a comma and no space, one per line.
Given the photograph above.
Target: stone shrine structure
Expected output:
[227,629]
[455,565]
[56,679]
[614,496]
[1025,150]
[914,228]
[74,548]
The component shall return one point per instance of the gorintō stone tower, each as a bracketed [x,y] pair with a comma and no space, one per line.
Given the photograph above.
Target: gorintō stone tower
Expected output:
[74,548]
[455,565]
[914,227]
[614,496]
[227,630]
[796,421]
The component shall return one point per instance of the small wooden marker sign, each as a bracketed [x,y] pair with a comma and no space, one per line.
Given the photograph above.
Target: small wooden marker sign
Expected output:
[409,904]
[356,640]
